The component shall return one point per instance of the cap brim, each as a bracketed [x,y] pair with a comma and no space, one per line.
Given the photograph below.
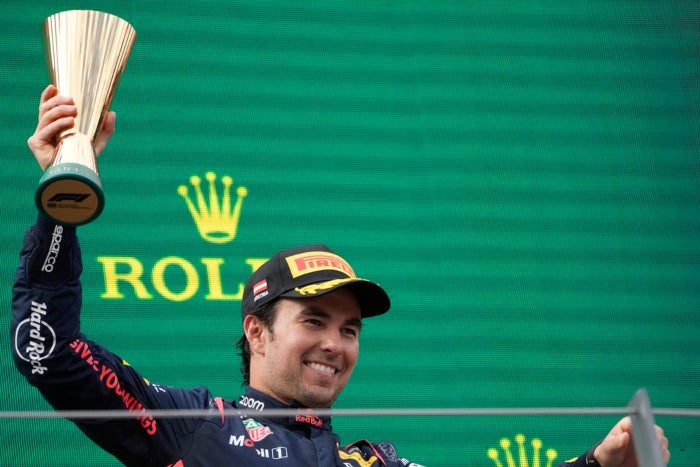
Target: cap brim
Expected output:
[373,300]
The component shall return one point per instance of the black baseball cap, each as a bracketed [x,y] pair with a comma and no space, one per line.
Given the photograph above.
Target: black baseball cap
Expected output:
[309,271]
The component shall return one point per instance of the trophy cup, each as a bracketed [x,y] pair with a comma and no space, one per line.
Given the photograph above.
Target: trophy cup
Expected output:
[86,54]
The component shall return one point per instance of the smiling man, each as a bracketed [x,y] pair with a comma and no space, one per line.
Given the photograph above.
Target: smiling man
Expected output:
[308,353]
[302,315]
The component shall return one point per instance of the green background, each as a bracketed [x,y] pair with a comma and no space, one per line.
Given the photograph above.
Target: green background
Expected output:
[522,177]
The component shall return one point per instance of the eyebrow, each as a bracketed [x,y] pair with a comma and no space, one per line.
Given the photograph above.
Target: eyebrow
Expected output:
[313,311]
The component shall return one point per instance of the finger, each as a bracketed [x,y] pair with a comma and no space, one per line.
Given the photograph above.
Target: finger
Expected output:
[661,437]
[625,424]
[52,102]
[59,110]
[53,129]
[48,93]
[663,443]
[55,121]
[659,432]
[46,135]
[56,108]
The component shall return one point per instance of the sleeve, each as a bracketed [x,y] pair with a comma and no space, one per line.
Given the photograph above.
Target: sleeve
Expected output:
[382,453]
[585,460]
[74,373]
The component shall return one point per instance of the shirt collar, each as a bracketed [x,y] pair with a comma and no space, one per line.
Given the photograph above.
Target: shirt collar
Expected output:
[253,399]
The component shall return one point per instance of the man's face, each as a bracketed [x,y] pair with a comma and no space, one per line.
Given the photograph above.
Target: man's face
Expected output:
[311,351]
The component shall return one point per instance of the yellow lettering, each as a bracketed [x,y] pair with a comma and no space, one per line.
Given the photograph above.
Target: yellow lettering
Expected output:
[191,276]
[214,278]
[130,270]
[132,276]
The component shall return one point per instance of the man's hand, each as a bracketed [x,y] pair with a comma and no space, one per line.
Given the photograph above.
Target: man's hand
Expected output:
[57,114]
[617,450]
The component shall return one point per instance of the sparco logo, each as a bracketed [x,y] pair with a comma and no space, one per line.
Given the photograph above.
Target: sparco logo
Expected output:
[53,249]
[251,403]
[39,337]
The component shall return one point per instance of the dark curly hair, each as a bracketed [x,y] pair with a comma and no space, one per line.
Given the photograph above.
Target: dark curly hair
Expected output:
[267,313]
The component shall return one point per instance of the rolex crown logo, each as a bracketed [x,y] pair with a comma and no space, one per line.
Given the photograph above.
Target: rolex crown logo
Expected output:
[217,220]
[523,461]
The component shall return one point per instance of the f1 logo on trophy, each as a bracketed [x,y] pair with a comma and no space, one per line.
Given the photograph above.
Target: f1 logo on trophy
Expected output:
[86,54]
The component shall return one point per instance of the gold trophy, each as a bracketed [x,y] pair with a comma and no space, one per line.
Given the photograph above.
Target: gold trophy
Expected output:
[86,53]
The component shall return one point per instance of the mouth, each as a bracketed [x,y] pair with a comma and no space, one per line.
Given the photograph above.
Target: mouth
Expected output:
[322,368]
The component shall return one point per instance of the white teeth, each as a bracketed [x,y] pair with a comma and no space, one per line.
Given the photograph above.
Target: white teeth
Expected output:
[322,368]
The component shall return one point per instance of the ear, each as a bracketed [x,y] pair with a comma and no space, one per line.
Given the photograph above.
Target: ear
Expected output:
[255,331]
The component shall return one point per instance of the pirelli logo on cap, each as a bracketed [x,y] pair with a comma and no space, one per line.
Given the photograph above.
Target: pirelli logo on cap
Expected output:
[314,261]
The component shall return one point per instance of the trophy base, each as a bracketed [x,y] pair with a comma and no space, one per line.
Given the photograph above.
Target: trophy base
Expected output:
[70,194]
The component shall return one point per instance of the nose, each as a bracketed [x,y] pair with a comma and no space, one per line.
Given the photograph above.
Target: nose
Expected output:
[332,342]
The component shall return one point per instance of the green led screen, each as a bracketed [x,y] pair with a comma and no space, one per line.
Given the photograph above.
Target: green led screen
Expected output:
[521,177]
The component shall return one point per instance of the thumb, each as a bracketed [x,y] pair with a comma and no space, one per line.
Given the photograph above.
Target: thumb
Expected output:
[106,131]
